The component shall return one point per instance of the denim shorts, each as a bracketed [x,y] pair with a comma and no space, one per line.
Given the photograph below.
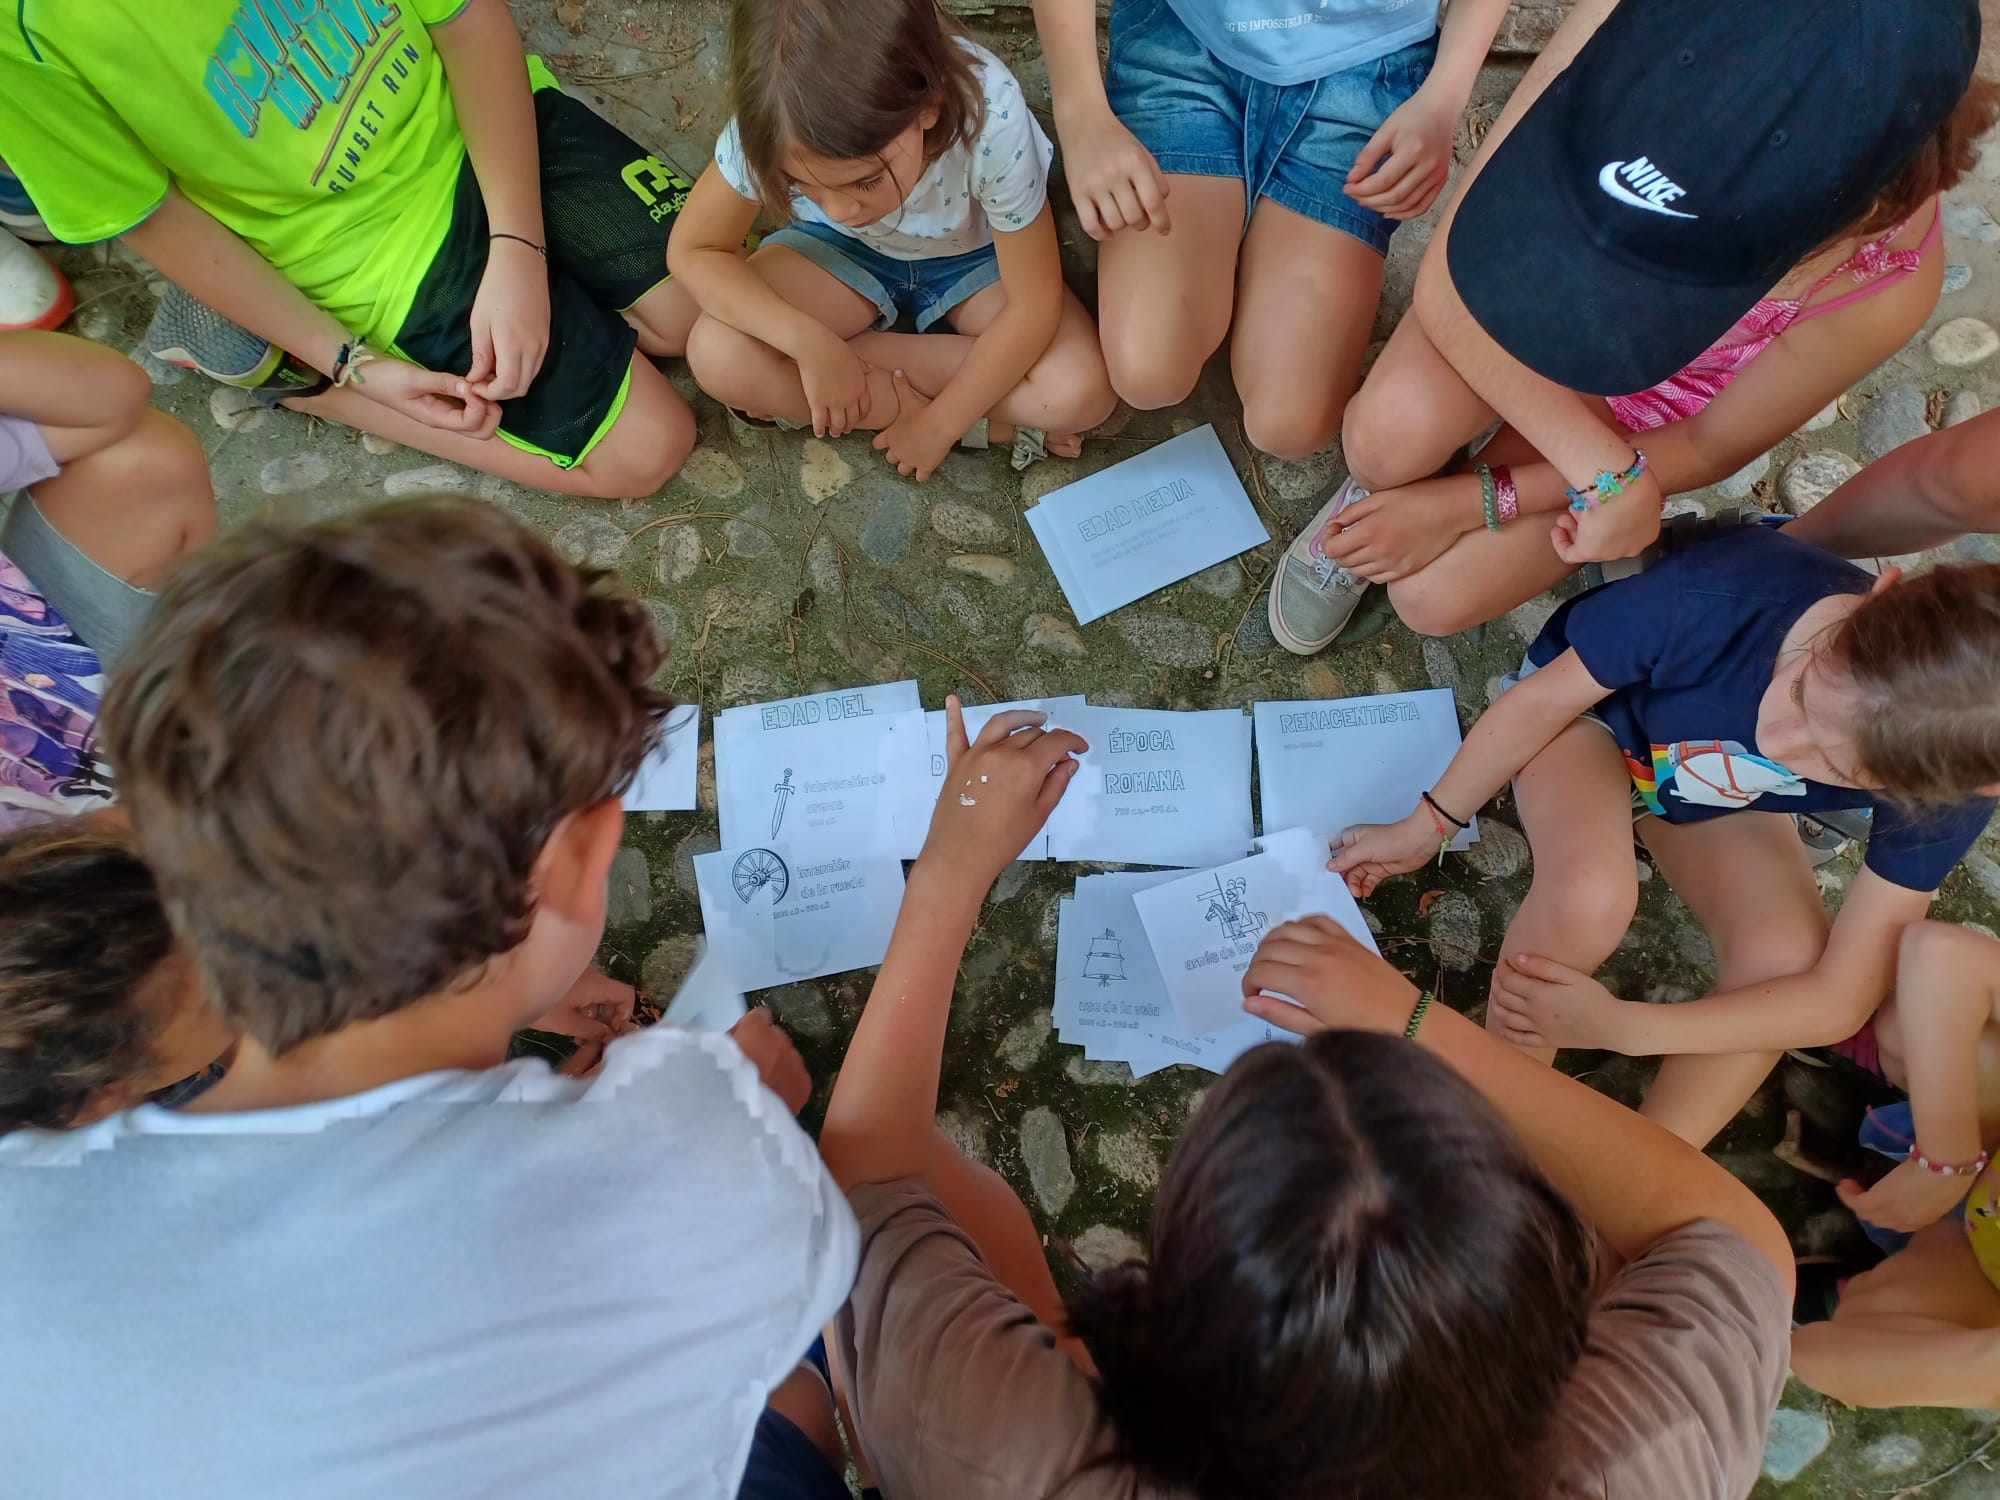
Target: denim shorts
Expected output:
[1293,144]
[924,290]
[105,611]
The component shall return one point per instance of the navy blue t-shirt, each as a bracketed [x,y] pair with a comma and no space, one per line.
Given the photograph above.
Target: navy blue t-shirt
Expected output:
[1688,648]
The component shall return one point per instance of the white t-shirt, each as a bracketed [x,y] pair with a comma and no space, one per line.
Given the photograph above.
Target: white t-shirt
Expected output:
[461,1284]
[998,180]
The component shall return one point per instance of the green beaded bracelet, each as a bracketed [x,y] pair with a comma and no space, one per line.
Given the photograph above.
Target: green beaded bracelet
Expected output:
[1417,1017]
[1489,496]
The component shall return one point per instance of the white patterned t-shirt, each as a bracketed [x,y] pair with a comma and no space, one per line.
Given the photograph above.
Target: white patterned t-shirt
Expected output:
[999,180]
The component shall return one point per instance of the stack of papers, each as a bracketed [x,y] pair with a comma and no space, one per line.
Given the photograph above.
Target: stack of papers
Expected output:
[1145,523]
[1149,966]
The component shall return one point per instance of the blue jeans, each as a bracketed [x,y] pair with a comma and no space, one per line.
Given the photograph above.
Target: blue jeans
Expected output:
[925,290]
[1293,144]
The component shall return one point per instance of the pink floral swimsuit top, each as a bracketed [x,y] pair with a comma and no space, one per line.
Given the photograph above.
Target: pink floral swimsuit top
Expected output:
[1681,396]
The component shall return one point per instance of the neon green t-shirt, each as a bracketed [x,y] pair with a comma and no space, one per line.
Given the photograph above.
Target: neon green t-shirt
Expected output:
[321,131]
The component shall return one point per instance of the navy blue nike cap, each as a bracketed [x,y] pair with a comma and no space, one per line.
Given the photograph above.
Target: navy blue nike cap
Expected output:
[1690,156]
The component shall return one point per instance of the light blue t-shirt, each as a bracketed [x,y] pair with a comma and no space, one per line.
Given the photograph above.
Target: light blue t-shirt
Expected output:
[457,1286]
[1291,41]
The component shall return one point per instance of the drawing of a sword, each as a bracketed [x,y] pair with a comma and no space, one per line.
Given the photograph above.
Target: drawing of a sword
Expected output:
[784,790]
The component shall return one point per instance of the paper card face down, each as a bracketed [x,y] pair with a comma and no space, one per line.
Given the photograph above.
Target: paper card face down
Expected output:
[1156,787]
[976,719]
[1328,764]
[665,780]
[710,998]
[775,915]
[833,771]
[1142,524]
[1205,928]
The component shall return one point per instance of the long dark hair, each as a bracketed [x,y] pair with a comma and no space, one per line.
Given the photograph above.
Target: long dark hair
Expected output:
[842,79]
[1360,1286]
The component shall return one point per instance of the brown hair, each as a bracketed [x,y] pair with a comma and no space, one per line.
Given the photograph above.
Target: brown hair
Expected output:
[842,79]
[345,745]
[1925,655]
[1938,164]
[83,932]
[1360,1285]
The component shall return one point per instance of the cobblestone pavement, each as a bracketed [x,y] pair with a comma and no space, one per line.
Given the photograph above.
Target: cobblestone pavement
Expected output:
[779,564]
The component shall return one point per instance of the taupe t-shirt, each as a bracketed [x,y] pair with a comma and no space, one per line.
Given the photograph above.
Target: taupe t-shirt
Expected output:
[961,1394]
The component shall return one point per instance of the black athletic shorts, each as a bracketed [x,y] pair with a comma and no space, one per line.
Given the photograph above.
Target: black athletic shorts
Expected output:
[608,206]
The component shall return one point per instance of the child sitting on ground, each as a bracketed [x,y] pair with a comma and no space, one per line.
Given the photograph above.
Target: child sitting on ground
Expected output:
[375,766]
[1747,675]
[1373,1264]
[1662,345]
[110,494]
[916,182]
[99,1009]
[1923,1328]
[395,195]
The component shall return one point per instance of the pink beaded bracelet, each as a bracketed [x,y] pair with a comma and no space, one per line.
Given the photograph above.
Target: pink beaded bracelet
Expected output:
[1953,1169]
[1509,498]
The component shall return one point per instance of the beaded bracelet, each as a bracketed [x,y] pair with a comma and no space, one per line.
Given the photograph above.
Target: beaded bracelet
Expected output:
[1417,1016]
[1507,498]
[1489,496]
[1953,1169]
[1607,485]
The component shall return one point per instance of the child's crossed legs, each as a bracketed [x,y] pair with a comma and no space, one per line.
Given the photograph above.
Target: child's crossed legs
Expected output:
[1064,393]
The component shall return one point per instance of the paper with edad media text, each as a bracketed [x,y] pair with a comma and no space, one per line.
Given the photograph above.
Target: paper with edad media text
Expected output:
[1205,928]
[1329,764]
[1154,519]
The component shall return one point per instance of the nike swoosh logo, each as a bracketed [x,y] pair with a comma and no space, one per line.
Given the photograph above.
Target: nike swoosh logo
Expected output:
[1608,180]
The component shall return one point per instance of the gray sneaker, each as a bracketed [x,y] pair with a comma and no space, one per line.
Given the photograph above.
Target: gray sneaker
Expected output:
[1313,597]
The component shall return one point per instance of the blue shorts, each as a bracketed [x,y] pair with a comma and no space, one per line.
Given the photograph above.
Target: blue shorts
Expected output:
[784,1465]
[925,290]
[1292,144]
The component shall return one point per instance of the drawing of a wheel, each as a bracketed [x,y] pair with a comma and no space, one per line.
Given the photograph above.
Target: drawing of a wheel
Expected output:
[760,869]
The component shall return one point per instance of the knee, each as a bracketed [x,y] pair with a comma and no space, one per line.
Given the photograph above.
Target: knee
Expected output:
[661,437]
[1427,607]
[1289,424]
[1075,388]
[1152,367]
[1777,944]
[719,357]
[1595,904]
[1384,439]
[178,469]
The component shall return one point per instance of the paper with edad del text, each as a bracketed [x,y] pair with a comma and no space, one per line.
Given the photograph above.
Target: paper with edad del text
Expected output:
[841,772]
[1204,928]
[1154,519]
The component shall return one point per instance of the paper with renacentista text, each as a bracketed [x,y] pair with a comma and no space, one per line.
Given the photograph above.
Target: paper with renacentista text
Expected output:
[1154,519]
[1156,787]
[665,779]
[776,915]
[842,772]
[1329,764]
[976,719]
[1205,928]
